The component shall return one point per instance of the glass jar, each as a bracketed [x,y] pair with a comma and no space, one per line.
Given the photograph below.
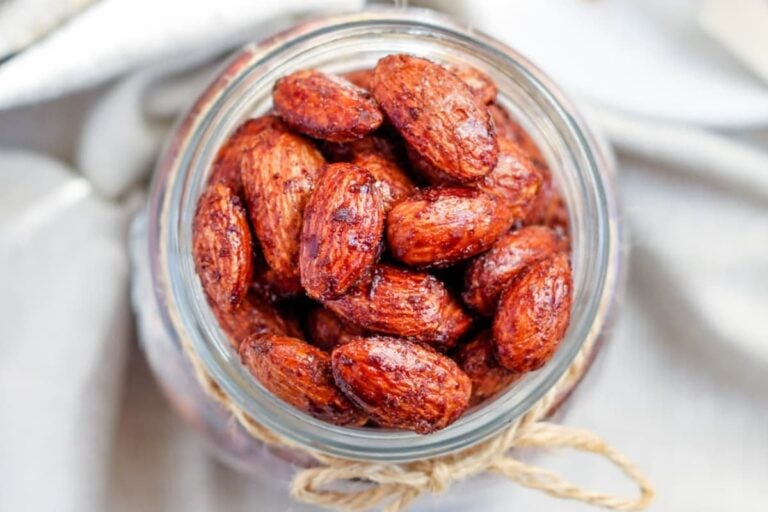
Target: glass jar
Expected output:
[168,297]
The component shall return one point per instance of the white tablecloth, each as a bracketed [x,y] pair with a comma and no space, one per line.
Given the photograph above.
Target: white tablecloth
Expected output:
[682,388]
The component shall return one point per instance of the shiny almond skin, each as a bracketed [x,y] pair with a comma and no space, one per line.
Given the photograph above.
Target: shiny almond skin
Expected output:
[325,106]
[396,301]
[362,78]
[226,166]
[533,314]
[437,115]
[279,173]
[478,82]
[489,274]
[401,384]
[510,129]
[514,180]
[377,157]
[222,246]
[299,374]
[255,315]
[326,330]
[478,360]
[439,226]
[342,231]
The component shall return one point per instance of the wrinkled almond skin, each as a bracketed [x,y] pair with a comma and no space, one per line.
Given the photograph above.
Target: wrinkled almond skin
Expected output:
[437,227]
[399,302]
[478,360]
[226,166]
[401,384]
[326,330]
[362,78]
[533,314]
[376,156]
[342,231]
[325,106]
[478,82]
[437,115]
[279,172]
[514,180]
[490,273]
[222,246]
[255,315]
[299,374]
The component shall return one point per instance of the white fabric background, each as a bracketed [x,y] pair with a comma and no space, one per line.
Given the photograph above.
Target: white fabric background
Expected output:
[682,388]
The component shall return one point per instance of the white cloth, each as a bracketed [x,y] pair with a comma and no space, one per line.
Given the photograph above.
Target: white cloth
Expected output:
[682,388]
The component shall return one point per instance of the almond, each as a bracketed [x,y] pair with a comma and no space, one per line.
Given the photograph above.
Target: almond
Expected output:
[401,384]
[400,302]
[325,106]
[477,359]
[489,274]
[549,209]
[437,115]
[478,82]
[362,78]
[437,227]
[512,130]
[342,231]
[279,172]
[533,314]
[226,166]
[326,330]
[222,246]
[255,315]
[376,156]
[299,374]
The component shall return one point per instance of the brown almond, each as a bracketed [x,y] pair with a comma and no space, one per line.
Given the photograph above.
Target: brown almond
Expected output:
[222,246]
[489,274]
[478,360]
[376,156]
[362,78]
[514,180]
[533,314]
[437,227]
[437,115]
[342,231]
[512,130]
[325,106]
[478,82]
[299,374]
[255,315]
[549,209]
[226,166]
[401,384]
[326,330]
[396,301]
[279,172]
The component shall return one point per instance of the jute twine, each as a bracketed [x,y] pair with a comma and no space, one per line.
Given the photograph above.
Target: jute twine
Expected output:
[349,485]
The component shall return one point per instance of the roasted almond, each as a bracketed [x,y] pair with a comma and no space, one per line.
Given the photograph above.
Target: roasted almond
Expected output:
[226,166]
[222,246]
[478,360]
[549,209]
[401,384]
[512,130]
[255,315]
[279,172]
[478,82]
[514,180]
[342,232]
[325,106]
[533,314]
[299,374]
[437,227]
[489,274]
[326,330]
[376,156]
[396,301]
[437,115]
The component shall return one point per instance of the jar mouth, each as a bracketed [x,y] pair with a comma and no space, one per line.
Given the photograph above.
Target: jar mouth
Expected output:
[345,42]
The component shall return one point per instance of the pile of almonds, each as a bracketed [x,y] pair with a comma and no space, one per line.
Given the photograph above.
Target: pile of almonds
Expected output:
[388,248]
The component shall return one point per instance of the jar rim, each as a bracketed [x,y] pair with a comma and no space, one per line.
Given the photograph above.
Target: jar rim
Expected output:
[181,173]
